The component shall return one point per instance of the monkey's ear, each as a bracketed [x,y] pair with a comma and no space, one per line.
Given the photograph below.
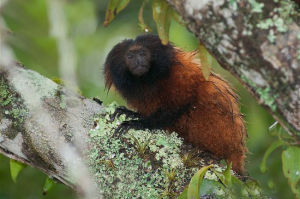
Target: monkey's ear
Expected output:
[108,80]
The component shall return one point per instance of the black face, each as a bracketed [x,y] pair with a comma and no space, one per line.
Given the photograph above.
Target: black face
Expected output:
[138,60]
[133,65]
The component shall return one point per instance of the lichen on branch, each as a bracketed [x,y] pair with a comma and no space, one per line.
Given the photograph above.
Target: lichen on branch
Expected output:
[151,164]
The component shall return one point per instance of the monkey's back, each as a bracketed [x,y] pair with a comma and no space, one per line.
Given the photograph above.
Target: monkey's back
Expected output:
[215,123]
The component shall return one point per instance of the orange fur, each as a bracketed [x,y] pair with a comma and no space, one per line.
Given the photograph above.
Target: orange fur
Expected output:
[214,122]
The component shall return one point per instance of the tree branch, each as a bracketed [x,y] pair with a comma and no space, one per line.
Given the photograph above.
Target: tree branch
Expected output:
[42,123]
[48,127]
[259,43]
[57,131]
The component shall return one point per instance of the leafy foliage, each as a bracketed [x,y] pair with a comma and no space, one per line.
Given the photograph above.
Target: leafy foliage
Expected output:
[225,185]
[290,157]
[196,182]
[291,168]
[15,168]
[113,8]
[162,17]
[272,147]
[48,185]
[142,23]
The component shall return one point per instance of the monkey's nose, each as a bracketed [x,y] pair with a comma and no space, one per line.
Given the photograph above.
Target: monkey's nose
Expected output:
[138,61]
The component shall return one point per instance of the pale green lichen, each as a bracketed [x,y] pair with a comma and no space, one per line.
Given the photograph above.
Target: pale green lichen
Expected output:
[144,164]
[62,103]
[10,105]
[5,95]
[123,173]
[279,19]
[276,23]
[267,97]
[256,6]
[43,87]
[271,36]
[264,94]
[233,4]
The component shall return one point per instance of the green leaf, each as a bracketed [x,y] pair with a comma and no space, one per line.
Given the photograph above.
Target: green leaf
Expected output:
[113,8]
[162,16]
[233,187]
[48,185]
[183,195]
[227,174]
[177,17]
[207,187]
[238,188]
[291,168]
[225,177]
[195,183]
[206,61]
[142,23]
[15,168]
[271,148]
[210,187]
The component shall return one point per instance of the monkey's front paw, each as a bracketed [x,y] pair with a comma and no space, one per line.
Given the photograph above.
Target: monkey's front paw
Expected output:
[127,125]
[97,100]
[123,110]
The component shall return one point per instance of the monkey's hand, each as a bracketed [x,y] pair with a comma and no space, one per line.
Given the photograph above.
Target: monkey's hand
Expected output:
[160,119]
[123,110]
[97,100]
[130,124]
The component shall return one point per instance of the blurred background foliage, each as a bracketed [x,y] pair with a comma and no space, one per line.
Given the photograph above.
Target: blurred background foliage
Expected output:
[33,46]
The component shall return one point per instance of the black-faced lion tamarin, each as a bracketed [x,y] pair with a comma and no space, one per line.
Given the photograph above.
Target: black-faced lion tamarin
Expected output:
[166,87]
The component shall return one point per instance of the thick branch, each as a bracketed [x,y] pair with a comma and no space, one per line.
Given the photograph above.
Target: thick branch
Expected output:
[259,43]
[40,121]
[55,130]
[51,128]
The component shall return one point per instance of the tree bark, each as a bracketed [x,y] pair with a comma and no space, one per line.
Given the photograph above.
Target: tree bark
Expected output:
[259,43]
[48,127]
[44,124]
[66,136]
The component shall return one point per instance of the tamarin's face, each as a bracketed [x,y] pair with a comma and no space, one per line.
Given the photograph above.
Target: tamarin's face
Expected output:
[133,64]
[137,60]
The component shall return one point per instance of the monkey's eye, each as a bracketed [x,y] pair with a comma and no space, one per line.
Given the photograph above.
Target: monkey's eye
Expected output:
[129,56]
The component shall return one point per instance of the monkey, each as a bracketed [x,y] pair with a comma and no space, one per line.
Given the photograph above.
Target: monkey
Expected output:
[166,88]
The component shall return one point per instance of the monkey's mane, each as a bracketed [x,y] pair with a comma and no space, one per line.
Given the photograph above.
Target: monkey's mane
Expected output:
[117,73]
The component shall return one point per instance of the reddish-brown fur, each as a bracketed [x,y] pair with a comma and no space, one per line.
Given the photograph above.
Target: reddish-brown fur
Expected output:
[214,122]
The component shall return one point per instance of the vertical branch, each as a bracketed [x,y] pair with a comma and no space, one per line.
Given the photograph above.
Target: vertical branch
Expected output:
[58,29]
[67,69]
